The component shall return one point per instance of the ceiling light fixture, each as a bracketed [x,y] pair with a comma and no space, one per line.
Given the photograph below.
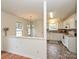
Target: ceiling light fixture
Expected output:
[51,15]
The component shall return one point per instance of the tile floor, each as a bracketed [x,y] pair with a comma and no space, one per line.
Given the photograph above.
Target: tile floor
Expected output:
[58,51]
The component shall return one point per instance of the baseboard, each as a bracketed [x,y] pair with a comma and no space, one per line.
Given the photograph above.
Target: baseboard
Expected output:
[3,51]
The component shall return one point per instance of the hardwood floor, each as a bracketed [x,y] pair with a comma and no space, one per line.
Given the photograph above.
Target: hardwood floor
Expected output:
[58,51]
[6,55]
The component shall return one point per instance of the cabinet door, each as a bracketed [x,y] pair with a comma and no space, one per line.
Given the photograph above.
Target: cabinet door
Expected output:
[72,46]
[66,41]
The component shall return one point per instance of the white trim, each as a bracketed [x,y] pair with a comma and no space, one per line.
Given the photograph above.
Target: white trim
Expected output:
[23,37]
[45,24]
[45,20]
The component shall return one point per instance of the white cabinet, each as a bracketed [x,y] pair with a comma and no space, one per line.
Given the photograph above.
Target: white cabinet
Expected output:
[70,42]
[65,41]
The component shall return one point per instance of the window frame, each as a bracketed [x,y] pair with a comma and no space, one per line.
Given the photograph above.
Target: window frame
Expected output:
[19,29]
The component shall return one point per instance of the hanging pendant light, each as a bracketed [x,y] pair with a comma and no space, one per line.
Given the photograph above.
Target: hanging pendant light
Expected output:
[30,27]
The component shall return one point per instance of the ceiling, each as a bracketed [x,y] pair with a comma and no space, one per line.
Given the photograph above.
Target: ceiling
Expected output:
[34,8]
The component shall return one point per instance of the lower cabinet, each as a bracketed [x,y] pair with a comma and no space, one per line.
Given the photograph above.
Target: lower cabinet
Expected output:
[71,43]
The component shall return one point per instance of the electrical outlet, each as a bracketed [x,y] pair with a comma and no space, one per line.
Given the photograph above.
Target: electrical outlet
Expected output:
[37,52]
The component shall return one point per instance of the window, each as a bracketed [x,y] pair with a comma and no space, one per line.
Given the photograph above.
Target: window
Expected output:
[19,29]
[31,30]
[53,25]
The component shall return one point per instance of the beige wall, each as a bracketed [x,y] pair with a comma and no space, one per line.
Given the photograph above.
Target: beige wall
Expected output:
[33,47]
[39,28]
[70,21]
[9,20]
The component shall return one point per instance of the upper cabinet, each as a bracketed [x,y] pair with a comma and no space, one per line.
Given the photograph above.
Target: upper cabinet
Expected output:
[70,23]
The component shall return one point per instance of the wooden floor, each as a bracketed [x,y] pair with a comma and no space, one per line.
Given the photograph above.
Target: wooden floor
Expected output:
[6,55]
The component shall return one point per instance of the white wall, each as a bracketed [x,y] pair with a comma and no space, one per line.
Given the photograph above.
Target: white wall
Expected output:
[33,48]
